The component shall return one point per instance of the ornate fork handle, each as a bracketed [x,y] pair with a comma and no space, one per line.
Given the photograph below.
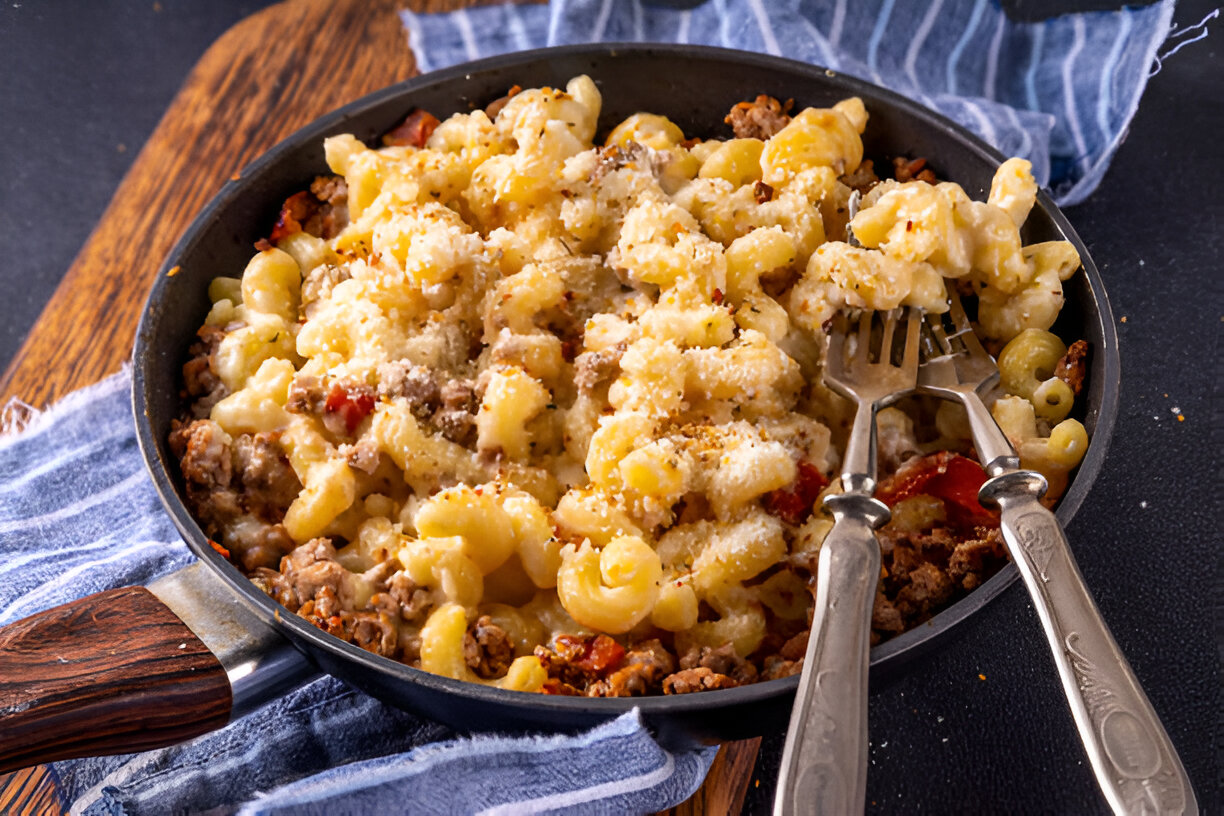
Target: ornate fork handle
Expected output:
[825,765]
[1134,760]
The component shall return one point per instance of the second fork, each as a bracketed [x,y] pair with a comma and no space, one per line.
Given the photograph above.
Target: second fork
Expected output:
[1135,762]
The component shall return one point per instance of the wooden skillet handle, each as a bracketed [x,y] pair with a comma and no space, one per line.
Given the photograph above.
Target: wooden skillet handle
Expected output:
[111,673]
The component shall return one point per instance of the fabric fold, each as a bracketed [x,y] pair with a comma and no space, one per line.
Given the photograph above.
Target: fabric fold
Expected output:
[1059,92]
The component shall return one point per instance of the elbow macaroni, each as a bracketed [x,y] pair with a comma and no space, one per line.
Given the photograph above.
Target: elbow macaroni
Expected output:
[636,327]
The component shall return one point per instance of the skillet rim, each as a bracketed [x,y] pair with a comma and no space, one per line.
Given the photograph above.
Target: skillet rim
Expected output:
[887,656]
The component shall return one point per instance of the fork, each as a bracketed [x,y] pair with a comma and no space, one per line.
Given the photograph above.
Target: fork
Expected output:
[1132,756]
[824,763]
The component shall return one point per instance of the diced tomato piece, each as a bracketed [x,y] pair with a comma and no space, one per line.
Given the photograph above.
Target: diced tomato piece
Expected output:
[353,405]
[602,654]
[415,130]
[948,476]
[296,209]
[794,504]
[596,654]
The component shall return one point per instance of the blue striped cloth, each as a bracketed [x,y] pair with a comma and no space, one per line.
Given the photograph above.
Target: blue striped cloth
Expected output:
[1059,93]
[79,515]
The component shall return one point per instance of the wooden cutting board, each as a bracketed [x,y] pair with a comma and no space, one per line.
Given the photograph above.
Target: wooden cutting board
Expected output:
[263,79]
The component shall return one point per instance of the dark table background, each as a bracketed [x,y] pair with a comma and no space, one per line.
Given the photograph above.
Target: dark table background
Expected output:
[980,725]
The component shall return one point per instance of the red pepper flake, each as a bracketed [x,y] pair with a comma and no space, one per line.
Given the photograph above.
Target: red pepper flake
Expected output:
[352,404]
[717,297]
[569,350]
[794,504]
[415,130]
[224,552]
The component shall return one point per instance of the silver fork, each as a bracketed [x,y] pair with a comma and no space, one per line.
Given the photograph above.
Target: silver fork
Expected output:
[1135,763]
[824,764]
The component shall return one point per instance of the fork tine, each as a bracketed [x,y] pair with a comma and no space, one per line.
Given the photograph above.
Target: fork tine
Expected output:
[957,311]
[836,355]
[913,328]
[935,331]
[886,339]
[964,329]
[863,352]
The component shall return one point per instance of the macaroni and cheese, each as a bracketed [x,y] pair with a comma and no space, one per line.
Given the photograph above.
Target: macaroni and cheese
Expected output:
[522,409]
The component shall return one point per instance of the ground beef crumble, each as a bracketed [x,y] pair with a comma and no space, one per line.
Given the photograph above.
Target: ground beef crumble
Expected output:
[269,484]
[200,378]
[487,649]
[206,462]
[306,396]
[907,169]
[312,583]
[416,384]
[591,368]
[759,119]
[723,661]
[415,602]
[643,671]
[687,681]
[927,570]
[1072,368]
[863,178]
[321,211]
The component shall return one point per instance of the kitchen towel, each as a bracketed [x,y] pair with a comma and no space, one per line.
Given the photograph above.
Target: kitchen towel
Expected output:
[78,514]
[1058,92]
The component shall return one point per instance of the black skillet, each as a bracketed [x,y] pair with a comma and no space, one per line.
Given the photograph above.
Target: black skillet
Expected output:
[144,689]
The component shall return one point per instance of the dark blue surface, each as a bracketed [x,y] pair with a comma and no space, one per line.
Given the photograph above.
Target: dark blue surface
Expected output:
[77,80]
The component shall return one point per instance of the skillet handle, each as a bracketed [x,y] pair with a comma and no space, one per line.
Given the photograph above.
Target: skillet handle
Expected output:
[110,673]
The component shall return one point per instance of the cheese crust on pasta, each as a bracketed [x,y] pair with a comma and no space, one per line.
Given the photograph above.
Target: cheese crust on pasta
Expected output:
[524,409]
